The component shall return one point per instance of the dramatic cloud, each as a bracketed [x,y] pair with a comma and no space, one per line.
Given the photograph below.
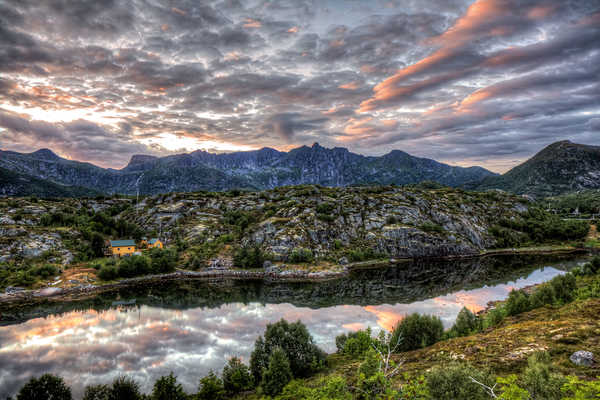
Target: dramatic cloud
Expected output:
[468,82]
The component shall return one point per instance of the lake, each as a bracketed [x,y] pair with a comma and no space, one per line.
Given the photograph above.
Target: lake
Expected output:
[193,326]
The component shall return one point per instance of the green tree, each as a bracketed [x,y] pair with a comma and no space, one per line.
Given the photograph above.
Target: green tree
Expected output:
[125,388]
[278,373]
[517,303]
[167,388]
[416,331]
[236,376]
[46,387]
[295,341]
[163,261]
[96,392]
[211,388]
[466,322]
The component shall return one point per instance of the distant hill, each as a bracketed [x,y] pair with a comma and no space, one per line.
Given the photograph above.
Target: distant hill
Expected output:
[561,167]
[17,184]
[261,169]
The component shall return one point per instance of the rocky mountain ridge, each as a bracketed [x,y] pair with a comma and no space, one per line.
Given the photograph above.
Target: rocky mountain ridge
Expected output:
[256,170]
[335,224]
[559,168]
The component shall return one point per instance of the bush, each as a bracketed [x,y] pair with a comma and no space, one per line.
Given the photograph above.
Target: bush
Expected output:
[163,261]
[133,266]
[493,317]
[354,344]
[46,387]
[300,255]
[577,389]
[518,302]
[543,295]
[331,388]
[539,381]
[278,373]
[453,382]
[249,257]
[236,377]
[466,322]
[416,331]
[593,267]
[295,341]
[211,388]
[45,271]
[167,388]
[108,273]
[564,287]
[361,254]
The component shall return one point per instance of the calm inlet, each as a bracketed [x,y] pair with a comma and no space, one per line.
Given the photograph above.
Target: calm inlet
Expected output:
[191,327]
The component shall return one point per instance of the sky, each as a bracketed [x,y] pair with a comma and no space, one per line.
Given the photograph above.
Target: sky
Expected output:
[484,82]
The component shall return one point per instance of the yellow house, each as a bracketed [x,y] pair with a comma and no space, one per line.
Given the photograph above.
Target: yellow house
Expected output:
[122,247]
[155,244]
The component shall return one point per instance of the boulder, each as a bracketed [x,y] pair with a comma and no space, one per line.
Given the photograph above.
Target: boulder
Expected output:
[582,358]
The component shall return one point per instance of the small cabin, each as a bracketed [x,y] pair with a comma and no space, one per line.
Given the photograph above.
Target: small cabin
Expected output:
[122,247]
[155,243]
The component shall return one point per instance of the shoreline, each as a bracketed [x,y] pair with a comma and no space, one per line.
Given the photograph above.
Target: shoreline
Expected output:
[293,276]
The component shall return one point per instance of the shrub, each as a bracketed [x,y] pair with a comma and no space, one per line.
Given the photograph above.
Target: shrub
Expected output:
[45,271]
[163,261]
[108,273]
[539,381]
[278,373]
[325,208]
[416,331]
[167,388]
[564,287]
[331,388]
[361,254]
[593,267]
[249,257]
[543,295]
[493,317]
[134,266]
[125,388]
[295,341]
[240,219]
[301,255]
[577,389]
[46,387]
[453,382]
[466,322]
[354,343]
[518,302]
[236,377]
[211,388]
[431,227]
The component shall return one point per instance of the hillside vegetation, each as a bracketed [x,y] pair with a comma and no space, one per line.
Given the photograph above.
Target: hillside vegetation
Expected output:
[301,227]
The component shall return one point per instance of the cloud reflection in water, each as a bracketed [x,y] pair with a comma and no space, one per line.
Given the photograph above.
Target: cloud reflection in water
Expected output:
[92,347]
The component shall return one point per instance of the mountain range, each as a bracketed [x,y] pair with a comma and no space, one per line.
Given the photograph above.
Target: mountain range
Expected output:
[559,168]
[260,169]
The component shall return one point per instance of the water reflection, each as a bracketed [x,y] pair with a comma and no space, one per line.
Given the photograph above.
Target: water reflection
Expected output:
[196,332]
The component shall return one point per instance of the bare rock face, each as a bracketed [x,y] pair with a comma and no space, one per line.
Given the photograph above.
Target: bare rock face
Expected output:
[582,358]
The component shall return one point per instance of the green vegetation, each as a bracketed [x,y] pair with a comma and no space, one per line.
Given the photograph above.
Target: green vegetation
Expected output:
[301,255]
[249,257]
[156,261]
[537,226]
[416,331]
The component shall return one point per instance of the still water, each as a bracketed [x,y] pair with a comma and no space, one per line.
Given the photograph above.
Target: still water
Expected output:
[192,327]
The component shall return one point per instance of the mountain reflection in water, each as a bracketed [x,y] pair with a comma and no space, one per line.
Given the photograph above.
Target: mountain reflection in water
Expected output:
[192,327]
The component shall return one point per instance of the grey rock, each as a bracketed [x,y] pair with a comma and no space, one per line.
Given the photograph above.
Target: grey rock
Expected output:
[582,358]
